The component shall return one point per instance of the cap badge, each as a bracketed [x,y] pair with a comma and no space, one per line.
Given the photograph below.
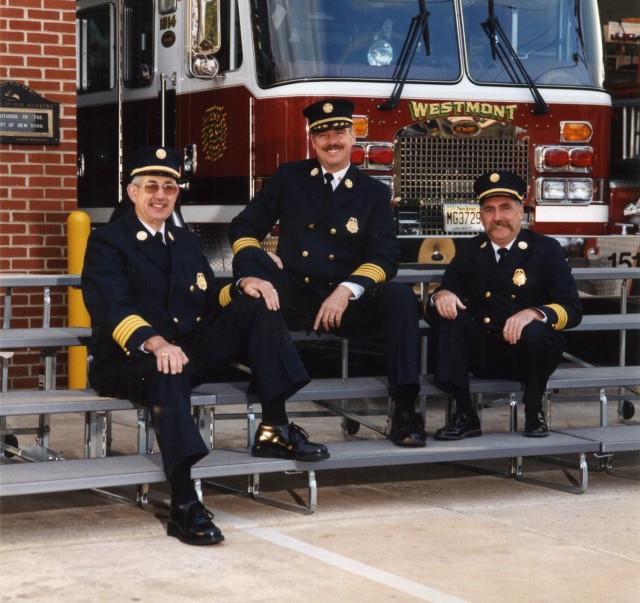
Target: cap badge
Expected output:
[327,108]
[348,183]
[170,235]
[494,177]
[523,245]
[201,281]
[315,171]
[161,154]
[352,225]
[519,277]
[142,235]
[483,245]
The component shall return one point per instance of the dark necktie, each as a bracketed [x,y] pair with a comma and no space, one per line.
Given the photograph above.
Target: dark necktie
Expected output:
[502,252]
[159,237]
[328,185]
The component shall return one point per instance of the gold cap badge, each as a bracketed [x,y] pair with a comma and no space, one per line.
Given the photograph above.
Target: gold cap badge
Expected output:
[161,154]
[352,225]
[142,235]
[327,107]
[494,177]
[519,277]
[201,281]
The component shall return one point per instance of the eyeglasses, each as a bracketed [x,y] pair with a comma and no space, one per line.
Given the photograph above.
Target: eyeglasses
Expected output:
[152,188]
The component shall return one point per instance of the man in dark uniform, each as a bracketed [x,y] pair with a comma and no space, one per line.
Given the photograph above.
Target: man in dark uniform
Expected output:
[337,250]
[501,308]
[163,323]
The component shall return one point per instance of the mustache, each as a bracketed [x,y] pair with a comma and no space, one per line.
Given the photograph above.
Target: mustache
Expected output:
[333,147]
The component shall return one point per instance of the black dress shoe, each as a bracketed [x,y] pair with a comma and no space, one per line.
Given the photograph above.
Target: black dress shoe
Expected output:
[536,426]
[461,426]
[407,429]
[191,523]
[288,441]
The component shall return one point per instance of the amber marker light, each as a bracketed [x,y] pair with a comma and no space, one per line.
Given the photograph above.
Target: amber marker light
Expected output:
[575,131]
[361,126]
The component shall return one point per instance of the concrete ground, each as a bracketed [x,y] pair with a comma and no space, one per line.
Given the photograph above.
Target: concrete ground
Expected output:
[438,533]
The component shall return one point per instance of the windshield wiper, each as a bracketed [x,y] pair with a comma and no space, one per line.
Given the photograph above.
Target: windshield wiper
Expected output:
[419,28]
[502,49]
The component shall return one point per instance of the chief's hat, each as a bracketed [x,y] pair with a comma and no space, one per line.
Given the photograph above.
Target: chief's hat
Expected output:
[499,184]
[158,161]
[329,114]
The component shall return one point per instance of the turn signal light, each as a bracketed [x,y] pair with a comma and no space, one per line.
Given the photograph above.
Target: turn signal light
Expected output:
[357,154]
[565,159]
[575,131]
[361,126]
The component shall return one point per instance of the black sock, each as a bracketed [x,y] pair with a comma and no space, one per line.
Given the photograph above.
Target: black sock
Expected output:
[182,487]
[274,413]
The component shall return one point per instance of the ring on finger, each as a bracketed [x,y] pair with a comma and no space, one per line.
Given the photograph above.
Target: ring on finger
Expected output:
[165,355]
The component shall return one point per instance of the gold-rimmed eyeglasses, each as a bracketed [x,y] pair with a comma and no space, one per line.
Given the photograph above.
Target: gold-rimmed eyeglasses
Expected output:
[152,188]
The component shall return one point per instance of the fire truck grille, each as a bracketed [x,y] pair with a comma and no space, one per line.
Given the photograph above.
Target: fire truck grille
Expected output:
[434,171]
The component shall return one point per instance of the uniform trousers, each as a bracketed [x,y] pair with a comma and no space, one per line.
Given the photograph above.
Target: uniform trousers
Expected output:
[465,345]
[389,310]
[244,330]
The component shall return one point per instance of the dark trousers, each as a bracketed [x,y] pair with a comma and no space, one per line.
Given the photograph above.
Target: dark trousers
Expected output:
[244,330]
[389,310]
[465,345]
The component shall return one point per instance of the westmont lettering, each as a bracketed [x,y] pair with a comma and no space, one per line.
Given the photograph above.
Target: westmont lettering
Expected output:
[422,111]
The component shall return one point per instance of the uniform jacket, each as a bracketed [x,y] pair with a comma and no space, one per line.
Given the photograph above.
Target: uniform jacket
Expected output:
[347,236]
[134,287]
[534,274]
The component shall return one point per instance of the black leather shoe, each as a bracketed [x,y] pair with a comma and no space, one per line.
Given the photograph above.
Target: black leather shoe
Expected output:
[288,441]
[536,426]
[461,426]
[191,523]
[407,429]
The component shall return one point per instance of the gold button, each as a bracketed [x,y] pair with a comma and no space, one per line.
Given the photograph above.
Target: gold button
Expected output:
[176,319]
[332,257]
[333,231]
[198,318]
[487,294]
[512,296]
[192,288]
[305,254]
[486,320]
[311,226]
[307,279]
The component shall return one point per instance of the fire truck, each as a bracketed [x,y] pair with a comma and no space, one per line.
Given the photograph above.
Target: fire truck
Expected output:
[444,90]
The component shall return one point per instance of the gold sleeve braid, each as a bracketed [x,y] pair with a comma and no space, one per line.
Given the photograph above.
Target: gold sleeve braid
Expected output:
[224,297]
[375,273]
[561,313]
[126,328]
[245,242]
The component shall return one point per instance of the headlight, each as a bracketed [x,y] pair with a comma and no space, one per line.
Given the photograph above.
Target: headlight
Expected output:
[564,191]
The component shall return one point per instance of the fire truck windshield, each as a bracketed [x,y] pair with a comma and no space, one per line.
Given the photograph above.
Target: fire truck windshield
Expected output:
[557,41]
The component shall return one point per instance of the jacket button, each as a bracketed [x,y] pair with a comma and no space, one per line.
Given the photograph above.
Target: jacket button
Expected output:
[311,226]
[332,257]
[512,296]
[486,320]
[333,231]
[192,288]
[307,279]
[305,254]
[176,319]
[487,293]
[198,318]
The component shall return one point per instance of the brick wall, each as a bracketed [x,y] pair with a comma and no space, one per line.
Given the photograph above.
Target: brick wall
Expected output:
[38,182]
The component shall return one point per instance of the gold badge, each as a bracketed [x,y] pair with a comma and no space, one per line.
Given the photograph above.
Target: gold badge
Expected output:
[494,177]
[483,245]
[327,107]
[315,171]
[352,225]
[522,245]
[170,235]
[348,183]
[519,277]
[161,154]
[142,235]
[201,281]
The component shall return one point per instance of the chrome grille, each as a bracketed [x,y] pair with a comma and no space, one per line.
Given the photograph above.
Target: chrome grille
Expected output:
[432,171]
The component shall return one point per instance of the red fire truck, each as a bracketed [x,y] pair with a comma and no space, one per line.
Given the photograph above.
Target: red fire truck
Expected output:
[444,90]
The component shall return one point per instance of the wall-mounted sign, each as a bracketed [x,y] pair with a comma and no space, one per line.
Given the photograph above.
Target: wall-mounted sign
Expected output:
[26,117]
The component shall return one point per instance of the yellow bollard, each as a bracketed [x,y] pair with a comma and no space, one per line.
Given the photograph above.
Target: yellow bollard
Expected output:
[78,229]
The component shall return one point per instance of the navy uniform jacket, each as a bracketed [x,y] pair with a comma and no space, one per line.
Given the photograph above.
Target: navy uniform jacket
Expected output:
[534,274]
[323,241]
[132,293]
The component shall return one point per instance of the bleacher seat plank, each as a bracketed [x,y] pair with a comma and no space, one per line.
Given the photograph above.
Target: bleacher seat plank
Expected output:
[621,438]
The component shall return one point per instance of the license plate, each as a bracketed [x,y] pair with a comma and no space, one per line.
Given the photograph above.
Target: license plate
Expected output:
[462,218]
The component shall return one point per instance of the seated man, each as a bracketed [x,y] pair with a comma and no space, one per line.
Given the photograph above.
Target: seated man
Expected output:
[501,308]
[163,323]
[337,251]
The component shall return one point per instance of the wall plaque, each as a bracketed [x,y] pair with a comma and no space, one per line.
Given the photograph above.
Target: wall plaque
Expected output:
[26,117]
